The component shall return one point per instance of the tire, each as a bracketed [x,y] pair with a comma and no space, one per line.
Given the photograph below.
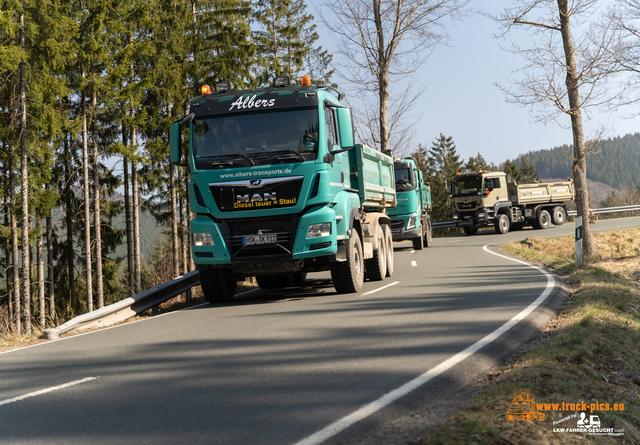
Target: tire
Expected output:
[376,267]
[418,242]
[558,216]
[348,276]
[543,221]
[470,231]
[428,234]
[216,287]
[299,278]
[389,242]
[285,280]
[266,282]
[502,223]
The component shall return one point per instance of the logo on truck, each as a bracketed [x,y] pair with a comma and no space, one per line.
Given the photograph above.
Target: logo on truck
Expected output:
[256,197]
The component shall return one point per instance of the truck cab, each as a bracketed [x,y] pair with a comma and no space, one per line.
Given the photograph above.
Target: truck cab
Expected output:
[410,219]
[279,187]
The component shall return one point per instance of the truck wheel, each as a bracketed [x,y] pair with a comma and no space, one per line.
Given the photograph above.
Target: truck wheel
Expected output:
[470,230]
[285,280]
[428,233]
[544,220]
[417,242]
[558,216]
[502,223]
[348,276]
[216,287]
[389,242]
[266,282]
[376,267]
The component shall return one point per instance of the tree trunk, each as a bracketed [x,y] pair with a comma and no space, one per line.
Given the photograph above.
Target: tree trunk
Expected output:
[182,236]
[136,223]
[187,230]
[383,79]
[69,218]
[579,150]
[7,244]
[40,262]
[87,206]
[174,220]
[96,201]
[52,300]
[24,171]
[17,313]
[127,213]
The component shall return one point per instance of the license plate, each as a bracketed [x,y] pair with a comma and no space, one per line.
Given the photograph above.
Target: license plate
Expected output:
[252,240]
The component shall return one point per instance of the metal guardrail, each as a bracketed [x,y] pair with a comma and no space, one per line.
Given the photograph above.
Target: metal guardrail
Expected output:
[448,224]
[608,210]
[127,308]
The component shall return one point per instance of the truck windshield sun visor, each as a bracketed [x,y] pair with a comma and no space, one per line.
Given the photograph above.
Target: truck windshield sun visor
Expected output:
[257,138]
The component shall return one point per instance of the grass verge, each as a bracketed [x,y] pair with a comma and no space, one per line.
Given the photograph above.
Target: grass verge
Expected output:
[589,353]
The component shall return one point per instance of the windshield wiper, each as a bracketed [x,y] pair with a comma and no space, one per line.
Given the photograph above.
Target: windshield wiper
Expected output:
[247,158]
[289,152]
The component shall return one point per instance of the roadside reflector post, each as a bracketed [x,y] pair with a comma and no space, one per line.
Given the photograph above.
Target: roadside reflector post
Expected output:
[579,241]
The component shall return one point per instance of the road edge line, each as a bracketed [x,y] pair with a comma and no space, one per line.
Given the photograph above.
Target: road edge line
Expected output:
[371,408]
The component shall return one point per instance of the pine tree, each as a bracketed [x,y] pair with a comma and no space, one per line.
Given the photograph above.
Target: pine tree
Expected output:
[285,43]
[442,164]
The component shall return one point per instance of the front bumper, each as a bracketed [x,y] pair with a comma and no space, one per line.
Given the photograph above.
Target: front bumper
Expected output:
[288,253]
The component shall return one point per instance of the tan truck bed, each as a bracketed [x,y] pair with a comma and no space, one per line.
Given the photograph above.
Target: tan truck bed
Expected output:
[541,193]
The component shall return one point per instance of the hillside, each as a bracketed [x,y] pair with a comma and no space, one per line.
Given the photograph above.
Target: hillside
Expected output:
[617,164]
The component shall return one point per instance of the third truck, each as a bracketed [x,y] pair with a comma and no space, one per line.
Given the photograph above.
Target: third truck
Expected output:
[490,199]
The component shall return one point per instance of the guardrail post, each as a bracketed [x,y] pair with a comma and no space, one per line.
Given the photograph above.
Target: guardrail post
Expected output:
[188,294]
[579,241]
[154,310]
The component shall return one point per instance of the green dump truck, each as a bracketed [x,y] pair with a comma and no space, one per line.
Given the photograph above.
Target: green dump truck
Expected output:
[410,218]
[489,199]
[280,188]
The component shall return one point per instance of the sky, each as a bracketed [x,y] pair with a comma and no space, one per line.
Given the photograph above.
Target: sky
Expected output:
[461,100]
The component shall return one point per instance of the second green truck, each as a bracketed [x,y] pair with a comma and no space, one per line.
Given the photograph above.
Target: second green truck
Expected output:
[410,218]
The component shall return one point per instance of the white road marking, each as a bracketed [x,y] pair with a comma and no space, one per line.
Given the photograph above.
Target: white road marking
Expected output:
[47,390]
[455,241]
[405,389]
[414,263]
[413,251]
[380,288]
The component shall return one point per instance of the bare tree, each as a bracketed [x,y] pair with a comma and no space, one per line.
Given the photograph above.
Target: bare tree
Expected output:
[566,75]
[384,43]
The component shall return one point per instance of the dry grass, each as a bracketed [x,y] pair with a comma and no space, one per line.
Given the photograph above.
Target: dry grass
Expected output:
[589,352]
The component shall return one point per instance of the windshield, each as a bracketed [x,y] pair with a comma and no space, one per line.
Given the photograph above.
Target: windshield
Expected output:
[256,138]
[404,180]
[467,185]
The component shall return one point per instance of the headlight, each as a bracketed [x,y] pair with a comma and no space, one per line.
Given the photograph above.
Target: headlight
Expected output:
[202,239]
[316,230]
[412,222]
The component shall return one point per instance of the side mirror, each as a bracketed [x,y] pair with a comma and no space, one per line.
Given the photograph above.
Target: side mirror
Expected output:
[174,143]
[345,128]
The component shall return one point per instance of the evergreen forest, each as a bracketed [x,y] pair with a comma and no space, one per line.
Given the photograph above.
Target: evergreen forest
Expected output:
[88,90]
[615,162]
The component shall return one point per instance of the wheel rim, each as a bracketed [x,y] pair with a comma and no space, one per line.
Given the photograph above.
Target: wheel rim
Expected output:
[503,224]
[357,261]
[560,216]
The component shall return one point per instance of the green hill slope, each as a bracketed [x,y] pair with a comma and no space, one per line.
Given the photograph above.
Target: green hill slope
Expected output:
[617,163]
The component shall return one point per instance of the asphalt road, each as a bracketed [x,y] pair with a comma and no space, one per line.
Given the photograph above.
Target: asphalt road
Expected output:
[270,368]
